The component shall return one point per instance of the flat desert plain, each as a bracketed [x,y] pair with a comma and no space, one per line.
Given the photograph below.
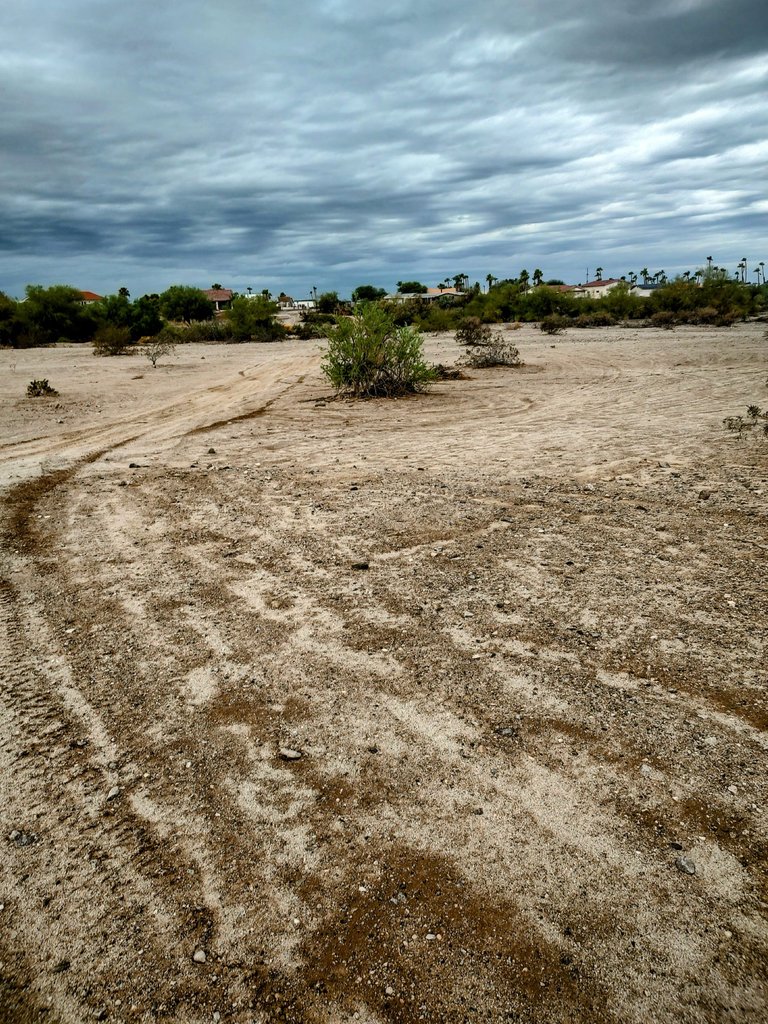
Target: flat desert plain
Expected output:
[450,708]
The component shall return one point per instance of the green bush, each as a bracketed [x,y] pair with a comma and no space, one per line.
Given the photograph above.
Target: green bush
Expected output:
[110,340]
[369,356]
[554,324]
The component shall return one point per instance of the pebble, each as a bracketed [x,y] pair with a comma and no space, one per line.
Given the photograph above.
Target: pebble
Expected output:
[687,867]
[389,990]
[360,565]
[287,754]
[199,956]
[115,791]
[211,451]
[733,789]
[216,1017]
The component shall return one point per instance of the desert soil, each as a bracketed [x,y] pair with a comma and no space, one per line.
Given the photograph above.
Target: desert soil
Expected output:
[515,629]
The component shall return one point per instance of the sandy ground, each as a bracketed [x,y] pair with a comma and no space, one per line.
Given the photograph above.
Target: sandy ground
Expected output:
[539,708]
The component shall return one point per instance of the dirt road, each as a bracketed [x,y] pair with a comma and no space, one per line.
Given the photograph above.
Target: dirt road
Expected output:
[450,708]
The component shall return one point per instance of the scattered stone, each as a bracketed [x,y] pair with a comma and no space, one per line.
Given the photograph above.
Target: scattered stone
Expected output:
[477,810]
[287,754]
[360,565]
[389,991]
[727,934]
[199,956]
[114,792]
[123,483]
[133,465]
[61,966]
[705,495]
[676,846]
[211,451]
[23,838]
[646,769]
[430,937]
[733,790]
[505,730]
[373,749]
[685,866]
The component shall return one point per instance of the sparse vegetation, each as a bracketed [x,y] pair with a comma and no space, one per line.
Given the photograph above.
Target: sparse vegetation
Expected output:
[554,324]
[368,355]
[497,351]
[472,331]
[163,344]
[110,340]
[756,420]
[40,389]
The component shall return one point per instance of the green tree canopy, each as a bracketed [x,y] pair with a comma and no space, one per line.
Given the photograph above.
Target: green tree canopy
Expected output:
[185,303]
[56,313]
[367,293]
[328,302]
[253,317]
[411,287]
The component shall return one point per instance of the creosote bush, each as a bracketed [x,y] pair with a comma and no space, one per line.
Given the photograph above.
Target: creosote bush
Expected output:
[40,389]
[755,418]
[163,344]
[368,356]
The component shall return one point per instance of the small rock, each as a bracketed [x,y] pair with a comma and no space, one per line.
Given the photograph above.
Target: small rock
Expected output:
[61,966]
[705,495]
[114,792]
[123,483]
[733,790]
[389,990]
[133,465]
[360,565]
[211,451]
[687,867]
[216,1017]
[287,754]
[430,937]
[646,769]
[373,749]
[477,810]
[199,956]
[506,730]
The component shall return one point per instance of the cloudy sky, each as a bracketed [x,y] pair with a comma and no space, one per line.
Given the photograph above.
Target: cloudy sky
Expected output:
[286,144]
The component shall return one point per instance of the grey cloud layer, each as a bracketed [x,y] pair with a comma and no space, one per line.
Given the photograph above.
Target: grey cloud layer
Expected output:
[149,144]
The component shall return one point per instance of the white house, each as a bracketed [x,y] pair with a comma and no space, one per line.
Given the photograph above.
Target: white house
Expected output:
[595,289]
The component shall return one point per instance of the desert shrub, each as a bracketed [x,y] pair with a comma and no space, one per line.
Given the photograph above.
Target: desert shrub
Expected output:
[163,344]
[598,318]
[111,340]
[473,331]
[40,389]
[208,330]
[755,420]
[496,352]
[368,355]
[554,324]
[665,318]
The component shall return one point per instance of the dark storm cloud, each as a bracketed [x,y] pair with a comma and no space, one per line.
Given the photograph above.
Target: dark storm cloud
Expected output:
[336,142]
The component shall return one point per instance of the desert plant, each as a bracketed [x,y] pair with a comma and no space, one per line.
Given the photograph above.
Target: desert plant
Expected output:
[163,344]
[111,340]
[368,355]
[472,331]
[554,324]
[496,352]
[40,389]
[742,426]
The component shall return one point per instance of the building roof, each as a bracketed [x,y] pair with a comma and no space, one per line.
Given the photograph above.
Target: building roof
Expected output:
[602,283]
[91,297]
[217,294]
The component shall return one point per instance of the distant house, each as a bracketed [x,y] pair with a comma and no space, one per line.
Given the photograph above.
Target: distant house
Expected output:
[285,301]
[644,290]
[595,289]
[220,297]
[89,297]
[430,295]
[304,304]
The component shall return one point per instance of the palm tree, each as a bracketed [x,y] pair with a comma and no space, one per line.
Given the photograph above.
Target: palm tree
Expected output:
[537,277]
[757,271]
[523,279]
[249,289]
[762,269]
[687,275]
[662,277]
[743,266]
[645,275]
[632,277]
[216,287]
[490,279]
[123,293]
[599,273]
[709,261]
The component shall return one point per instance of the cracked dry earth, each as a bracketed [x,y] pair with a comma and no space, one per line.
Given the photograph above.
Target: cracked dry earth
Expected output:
[539,708]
